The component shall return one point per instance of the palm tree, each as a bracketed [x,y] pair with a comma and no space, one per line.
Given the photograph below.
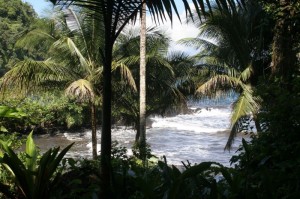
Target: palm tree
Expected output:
[87,57]
[166,75]
[127,48]
[142,119]
[246,104]
[73,59]
[184,74]
[230,46]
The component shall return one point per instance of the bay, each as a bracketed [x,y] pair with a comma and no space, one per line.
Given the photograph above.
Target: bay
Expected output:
[198,136]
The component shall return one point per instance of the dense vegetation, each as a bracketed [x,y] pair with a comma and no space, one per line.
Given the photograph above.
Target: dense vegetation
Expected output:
[86,66]
[16,17]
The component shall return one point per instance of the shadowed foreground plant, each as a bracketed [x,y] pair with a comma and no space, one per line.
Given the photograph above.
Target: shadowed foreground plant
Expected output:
[34,179]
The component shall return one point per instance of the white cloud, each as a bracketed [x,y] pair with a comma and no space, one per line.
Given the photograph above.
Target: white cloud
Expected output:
[177,30]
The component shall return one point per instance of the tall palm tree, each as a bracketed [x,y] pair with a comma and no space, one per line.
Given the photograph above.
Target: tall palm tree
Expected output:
[127,51]
[166,75]
[142,119]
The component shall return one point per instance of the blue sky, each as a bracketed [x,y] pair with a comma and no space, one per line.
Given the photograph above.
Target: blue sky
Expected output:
[39,5]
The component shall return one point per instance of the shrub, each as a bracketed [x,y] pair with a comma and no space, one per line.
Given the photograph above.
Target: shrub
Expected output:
[45,111]
[35,177]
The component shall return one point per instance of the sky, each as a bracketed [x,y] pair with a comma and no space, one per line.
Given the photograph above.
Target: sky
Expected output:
[40,5]
[177,31]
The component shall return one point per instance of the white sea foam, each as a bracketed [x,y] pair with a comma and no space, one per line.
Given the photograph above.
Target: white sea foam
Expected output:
[204,121]
[90,146]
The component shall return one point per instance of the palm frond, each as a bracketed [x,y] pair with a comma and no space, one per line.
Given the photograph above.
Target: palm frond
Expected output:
[231,72]
[66,47]
[43,32]
[216,82]
[77,26]
[126,74]
[82,90]
[246,74]
[200,43]
[96,76]
[160,62]
[34,38]
[72,20]
[130,60]
[28,75]
[243,107]
[116,14]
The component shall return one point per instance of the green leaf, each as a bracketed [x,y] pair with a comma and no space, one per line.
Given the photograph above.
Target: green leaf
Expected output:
[4,145]
[6,111]
[31,151]
[3,129]
[195,170]
[190,172]
[23,178]
[47,167]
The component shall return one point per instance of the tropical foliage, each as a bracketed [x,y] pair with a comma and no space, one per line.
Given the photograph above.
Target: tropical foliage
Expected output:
[249,46]
[46,112]
[15,18]
[163,95]
[116,14]
[33,179]
[233,54]
[72,58]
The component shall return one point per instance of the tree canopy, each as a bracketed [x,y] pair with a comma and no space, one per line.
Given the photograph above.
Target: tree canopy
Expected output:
[15,19]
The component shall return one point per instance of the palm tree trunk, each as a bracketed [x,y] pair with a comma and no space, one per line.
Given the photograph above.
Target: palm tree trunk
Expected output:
[105,163]
[94,131]
[137,128]
[142,121]
[283,54]
[106,128]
